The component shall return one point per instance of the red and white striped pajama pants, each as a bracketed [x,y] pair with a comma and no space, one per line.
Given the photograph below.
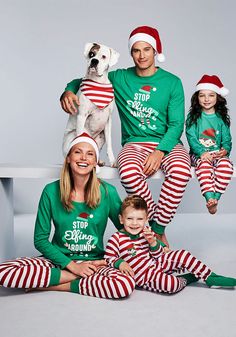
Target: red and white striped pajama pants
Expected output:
[35,273]
[215,176]
[107,282]
[159,278]
[176,167]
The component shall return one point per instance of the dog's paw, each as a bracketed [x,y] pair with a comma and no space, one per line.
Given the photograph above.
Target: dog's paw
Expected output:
[101,163]
[114,164]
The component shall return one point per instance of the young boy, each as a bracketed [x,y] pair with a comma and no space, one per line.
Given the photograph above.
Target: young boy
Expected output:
[135,251]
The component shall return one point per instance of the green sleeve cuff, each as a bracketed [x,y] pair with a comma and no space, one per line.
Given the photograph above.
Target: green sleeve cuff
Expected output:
[73,85]
[156,247]
[164,151]
[118,263]
[158,229]
[63,264]
[161,243]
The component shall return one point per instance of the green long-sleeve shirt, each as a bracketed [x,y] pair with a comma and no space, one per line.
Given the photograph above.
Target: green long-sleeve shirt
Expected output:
[151,108]
[79,233]
[208,134]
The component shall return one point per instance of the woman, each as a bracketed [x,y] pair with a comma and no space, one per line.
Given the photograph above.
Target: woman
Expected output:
[79,206]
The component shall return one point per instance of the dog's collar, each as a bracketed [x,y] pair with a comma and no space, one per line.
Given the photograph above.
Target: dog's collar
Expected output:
[101,94]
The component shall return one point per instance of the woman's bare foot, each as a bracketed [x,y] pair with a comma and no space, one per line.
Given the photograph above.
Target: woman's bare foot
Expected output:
[212,206]
[59,287]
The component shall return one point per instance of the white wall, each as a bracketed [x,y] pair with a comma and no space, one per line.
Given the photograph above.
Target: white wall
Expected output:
[42,49]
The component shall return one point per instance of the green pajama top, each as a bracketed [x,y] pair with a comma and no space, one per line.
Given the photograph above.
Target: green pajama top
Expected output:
[78,234]
[151,108]
[208,134]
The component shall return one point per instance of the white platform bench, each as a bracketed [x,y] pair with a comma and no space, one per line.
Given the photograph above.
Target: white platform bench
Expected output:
[9,172]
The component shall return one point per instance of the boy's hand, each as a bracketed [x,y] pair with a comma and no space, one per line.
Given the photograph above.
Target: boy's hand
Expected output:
[125,268]
[166,250]
[149,236]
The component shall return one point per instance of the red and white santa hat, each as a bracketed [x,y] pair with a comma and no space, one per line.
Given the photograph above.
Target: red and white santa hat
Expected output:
[149,35]
[84,138]
[212,82]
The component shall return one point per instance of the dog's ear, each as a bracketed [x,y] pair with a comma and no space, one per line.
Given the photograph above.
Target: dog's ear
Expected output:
[87,48]
[114,57]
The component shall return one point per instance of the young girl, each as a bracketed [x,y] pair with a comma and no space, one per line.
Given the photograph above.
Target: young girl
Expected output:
[209,138]
[136,252]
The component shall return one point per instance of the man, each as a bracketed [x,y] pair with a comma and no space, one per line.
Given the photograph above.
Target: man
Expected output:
[150,102]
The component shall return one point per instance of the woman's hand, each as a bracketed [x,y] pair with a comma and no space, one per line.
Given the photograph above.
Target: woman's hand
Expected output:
[69,102]
[83,269]
[125,268]
[99,263]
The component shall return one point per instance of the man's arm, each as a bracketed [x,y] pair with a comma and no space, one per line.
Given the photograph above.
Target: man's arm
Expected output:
[175,119]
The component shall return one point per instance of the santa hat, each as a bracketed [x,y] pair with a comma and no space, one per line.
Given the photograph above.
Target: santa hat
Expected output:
[147,89]
[149,35]
[84,138]
[213,83]
[209,133]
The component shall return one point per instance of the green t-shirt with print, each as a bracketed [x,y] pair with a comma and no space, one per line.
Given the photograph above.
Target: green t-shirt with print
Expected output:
[78,234]
[208,134]
[151,108]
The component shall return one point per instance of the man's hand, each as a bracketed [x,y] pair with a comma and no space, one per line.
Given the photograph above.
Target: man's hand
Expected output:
[69,102]
[125,268]
[153,162]
[207,156]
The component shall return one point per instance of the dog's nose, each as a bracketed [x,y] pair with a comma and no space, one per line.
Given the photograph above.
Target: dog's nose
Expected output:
[94,63]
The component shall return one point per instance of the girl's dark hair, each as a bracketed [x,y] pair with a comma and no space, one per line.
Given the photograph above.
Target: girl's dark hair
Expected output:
[196,110]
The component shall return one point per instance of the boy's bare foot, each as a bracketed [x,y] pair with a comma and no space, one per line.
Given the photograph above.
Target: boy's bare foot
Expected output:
[212,206]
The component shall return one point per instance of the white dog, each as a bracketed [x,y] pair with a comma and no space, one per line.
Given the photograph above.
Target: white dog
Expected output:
[96,97]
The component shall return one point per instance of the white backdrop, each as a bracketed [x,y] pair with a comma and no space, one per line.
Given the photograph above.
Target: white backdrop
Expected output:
[42,49]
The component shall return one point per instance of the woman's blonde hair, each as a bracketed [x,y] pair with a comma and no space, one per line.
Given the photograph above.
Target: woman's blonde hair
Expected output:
[92,193]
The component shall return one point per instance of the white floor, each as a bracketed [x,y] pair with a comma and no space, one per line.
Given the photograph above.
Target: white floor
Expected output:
[196,311]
